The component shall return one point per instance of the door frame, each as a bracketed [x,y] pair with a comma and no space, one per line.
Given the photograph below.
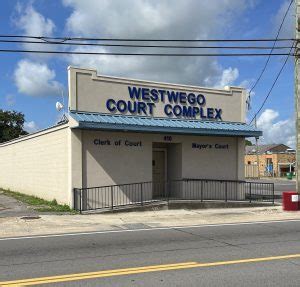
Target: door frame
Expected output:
[165,150]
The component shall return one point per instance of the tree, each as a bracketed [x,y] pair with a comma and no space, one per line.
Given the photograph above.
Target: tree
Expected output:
[11,125]
[248,143]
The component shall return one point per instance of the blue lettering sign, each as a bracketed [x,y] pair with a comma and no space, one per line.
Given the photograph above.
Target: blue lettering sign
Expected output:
[172,96]
[196,111]
[201,100]
[145,94]
[134,93]
[182,98]
[187,111]
[168,110]
[162,95]
[191,98]
[178,104]
[154,95]
[177,111]
[151,106]
[202,115]
[110,105]
[210,113]
[218,114]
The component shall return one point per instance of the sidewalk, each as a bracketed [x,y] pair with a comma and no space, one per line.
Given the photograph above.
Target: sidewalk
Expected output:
[53,224]
[272,179]
[12,207]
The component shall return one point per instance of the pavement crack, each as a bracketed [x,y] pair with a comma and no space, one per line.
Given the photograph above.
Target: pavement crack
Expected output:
[292,262]
[108,255]
[211,239]
[121,219]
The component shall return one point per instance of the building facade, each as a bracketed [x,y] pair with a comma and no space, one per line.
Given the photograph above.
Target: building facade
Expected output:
[274,160]
[126,131]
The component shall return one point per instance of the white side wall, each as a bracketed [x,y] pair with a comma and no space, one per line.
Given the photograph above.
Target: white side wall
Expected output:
[38,164]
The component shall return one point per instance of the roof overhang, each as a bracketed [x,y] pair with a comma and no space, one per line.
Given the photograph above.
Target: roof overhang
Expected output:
[98,121]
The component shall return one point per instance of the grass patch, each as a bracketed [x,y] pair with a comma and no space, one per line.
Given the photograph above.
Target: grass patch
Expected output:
[37,203]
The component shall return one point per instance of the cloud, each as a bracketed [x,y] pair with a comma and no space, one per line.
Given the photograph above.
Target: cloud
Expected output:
[229,76]
[287,30]
[247,84]
[226,78]
[36,79]
[178,70]
[140,19]
[33,77]
[282,131]
[143,19]
[33,23]
[30,127]
[10,100]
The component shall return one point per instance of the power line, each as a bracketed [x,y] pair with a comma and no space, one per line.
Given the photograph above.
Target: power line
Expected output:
[268,59]
[271,89]
[45,38]
[144,54]
[146,46]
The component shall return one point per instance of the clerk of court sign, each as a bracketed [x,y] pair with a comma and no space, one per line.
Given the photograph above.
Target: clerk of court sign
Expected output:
[142,101]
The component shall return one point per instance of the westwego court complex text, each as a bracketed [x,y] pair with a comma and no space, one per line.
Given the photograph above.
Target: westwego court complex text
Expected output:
[125,131]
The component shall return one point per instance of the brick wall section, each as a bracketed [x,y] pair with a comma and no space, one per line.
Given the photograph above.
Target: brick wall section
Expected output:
[276,159]
[37,164]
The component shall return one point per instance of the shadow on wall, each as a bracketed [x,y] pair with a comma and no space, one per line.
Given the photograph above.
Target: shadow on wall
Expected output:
[111,160]
[116,158]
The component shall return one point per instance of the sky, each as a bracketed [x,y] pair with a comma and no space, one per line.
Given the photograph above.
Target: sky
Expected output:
[32,84]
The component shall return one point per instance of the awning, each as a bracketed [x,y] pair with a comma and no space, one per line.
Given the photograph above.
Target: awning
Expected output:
[98,121]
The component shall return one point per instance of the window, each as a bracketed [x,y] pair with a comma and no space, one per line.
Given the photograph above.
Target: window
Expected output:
[269,161]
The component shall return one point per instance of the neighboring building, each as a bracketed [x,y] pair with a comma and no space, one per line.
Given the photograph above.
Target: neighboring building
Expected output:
[274,160]
[130,131]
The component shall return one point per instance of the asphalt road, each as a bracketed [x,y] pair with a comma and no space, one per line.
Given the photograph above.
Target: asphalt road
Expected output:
[284,185]
[188,249]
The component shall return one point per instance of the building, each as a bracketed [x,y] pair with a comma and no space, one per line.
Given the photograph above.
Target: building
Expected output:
[127,131]
[273,159]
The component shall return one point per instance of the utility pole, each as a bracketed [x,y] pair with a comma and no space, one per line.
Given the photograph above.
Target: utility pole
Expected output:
[257,151]
[297,94]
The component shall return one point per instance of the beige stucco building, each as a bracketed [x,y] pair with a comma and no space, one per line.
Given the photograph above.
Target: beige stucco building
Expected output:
[126,131]
[275,160]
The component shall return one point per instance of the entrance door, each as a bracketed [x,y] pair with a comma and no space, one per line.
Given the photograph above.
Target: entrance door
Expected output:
[158,172]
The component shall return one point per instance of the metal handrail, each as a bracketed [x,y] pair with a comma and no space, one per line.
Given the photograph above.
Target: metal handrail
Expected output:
[141,193]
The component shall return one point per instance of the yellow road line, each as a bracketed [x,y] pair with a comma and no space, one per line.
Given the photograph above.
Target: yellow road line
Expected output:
[104,273]
[137,270]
